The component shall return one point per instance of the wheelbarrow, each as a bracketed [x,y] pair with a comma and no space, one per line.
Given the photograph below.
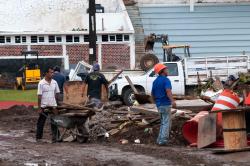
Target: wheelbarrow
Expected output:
[74,125]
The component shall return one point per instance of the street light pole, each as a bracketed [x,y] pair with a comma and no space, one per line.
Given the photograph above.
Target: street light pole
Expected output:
[92,32]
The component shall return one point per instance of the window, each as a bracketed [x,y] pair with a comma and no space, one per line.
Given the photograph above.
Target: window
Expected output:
[105,38]
[112,38]
[2,39]
[51,39]
[41,39]
[76,39]
[126,37]
[86,38]
[69,38]
[8,39]
[33,39]
[119,38]
[24,39]
[172,70]
[17,39]
[58,39]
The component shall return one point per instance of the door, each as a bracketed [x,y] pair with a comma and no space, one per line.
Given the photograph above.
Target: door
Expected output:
[175,75]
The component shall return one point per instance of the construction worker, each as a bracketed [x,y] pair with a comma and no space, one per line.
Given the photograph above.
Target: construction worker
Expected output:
[95,80]
[47,92]
[162,95]
[60,79]
[246,95]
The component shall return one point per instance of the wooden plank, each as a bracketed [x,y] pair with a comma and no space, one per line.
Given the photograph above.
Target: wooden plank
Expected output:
[175,46]
[206,130]
[196,109]
[232,122]
[77,107]
[232,110]
[75,114]
[131,85]
[73,92]
[115,77]
[144,110]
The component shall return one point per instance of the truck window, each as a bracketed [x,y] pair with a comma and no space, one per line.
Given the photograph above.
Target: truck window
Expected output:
[172,70]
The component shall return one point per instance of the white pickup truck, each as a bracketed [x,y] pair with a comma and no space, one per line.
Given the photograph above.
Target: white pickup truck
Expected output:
[182,74]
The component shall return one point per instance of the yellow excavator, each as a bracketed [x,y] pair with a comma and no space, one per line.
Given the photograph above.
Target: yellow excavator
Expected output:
[30,73]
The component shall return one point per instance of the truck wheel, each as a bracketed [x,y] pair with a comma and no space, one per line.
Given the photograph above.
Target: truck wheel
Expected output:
[128,97]
[148,61]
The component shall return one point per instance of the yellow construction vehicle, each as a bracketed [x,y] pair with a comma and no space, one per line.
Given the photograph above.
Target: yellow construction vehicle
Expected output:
[30,73]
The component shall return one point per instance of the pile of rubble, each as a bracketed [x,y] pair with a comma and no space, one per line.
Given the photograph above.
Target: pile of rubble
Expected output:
[136,124]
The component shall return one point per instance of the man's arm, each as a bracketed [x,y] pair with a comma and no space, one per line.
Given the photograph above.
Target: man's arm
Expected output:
[168,88]
[57,93]
[170,96]
[39,97]
[105,82]
[39,103]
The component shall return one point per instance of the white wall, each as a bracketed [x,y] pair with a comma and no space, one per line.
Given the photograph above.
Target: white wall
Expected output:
[186,1]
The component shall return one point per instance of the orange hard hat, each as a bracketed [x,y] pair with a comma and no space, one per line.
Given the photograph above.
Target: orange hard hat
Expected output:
[159,67]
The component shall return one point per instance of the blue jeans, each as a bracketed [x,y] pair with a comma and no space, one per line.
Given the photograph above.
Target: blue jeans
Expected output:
[165,113]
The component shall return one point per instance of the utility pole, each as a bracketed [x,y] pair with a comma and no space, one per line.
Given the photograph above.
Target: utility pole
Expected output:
[92,32]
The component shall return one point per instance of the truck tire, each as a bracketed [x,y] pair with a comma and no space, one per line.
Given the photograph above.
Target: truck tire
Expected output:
[148,61]
[128,97]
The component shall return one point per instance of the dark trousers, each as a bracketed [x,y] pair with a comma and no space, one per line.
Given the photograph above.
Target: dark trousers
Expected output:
[248,121]
[40,125]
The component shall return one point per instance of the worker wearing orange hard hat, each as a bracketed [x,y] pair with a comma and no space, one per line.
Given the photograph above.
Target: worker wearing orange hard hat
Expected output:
[162,95]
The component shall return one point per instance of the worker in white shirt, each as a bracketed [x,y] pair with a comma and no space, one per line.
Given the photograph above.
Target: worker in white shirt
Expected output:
[48,92]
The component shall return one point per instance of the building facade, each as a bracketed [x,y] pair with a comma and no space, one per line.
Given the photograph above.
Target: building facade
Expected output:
[58,29]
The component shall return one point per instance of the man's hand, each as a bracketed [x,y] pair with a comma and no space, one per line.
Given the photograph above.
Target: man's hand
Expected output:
[174,104]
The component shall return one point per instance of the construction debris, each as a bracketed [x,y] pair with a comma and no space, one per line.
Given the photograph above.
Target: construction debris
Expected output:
[134,123]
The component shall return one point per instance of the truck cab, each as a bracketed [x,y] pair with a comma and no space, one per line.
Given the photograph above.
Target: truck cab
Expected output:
[143,83]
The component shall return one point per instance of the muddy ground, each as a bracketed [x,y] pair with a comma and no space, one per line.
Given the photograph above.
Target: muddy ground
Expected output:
[18,147]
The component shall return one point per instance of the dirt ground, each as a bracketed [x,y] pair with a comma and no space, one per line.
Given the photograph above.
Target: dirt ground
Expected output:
[18,147]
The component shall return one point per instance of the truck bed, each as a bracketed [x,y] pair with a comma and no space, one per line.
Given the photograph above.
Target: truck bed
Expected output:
[221,66]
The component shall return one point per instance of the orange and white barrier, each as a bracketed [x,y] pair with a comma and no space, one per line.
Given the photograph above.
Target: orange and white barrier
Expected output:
[226,100]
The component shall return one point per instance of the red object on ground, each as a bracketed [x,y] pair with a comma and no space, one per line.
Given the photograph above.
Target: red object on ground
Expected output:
[190,128]
[9,104]
[226,100]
